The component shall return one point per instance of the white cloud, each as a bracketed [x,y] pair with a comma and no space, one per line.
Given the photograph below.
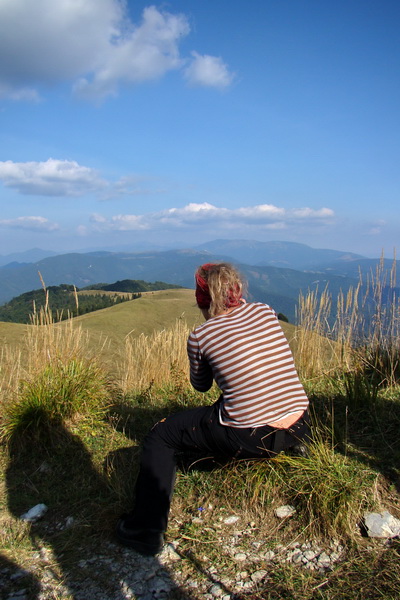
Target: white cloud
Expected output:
[94,45]
[96,218]
[263,216]
[22,93]
[50,178]
[129,222]
[261,211]
[376,228]
[192,212]
[147,52]
[310,213]
[29,223]
[205,70]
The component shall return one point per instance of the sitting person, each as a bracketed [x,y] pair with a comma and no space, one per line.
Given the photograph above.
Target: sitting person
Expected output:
[261,411]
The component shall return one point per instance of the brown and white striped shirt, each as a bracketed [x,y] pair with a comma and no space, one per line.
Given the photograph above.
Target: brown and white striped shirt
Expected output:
[247,354]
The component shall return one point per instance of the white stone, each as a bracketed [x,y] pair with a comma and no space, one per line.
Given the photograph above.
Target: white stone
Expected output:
[382,525]
[248,585]
[231,520]
[335,556]
[34,513]
[285,511]
[297,558]
[216,591]
[309,554]
[258,576]
[169,554]
[324,560]
[240,557]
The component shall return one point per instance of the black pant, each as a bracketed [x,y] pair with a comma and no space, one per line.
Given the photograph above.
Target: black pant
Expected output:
[197,431]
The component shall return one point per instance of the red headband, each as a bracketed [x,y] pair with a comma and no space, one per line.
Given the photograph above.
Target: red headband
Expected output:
[203,297]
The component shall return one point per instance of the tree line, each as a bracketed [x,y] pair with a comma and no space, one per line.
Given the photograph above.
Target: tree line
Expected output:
[64,301]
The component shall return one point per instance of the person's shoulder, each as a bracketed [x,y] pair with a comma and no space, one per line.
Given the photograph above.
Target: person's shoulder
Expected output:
[198,329]
[260,306]
[262,309]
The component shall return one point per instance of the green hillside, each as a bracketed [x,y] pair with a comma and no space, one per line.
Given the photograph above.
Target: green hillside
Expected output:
[153,311]
[66,300]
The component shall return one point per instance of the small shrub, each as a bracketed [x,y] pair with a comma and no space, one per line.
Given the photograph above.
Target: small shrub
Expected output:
[60,391]
[331,489]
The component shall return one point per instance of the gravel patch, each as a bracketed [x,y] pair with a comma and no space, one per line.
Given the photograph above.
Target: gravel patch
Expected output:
[117,573]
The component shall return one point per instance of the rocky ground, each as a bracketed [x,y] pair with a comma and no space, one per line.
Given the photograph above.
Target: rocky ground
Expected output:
[226,558]
[111,572]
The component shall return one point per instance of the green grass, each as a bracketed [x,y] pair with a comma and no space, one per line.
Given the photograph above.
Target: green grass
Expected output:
[71,439]
[59,392]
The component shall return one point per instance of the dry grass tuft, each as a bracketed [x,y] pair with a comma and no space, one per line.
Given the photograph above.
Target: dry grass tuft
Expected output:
[149,360]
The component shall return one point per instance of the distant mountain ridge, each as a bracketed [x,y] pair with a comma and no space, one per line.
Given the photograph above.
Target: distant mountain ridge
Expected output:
[269,283]
[286,255]
[28,256]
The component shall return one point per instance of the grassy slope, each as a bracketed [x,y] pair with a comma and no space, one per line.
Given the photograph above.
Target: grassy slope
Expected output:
[11,334]
[154,311]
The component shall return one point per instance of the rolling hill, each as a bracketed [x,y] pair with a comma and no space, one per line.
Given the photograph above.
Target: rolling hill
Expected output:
[108,328]
[66,300]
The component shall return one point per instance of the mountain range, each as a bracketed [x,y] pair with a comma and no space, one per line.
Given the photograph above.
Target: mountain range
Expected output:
[276,271]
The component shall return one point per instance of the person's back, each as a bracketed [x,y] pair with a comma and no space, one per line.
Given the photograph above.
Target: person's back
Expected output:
[252,364]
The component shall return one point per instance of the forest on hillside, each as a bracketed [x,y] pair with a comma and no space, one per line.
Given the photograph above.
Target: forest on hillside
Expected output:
[66,300]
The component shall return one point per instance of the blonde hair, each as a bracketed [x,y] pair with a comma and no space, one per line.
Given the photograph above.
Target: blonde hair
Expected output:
[225,286]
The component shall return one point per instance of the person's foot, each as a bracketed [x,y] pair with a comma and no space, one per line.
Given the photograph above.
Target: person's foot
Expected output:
[145,541]
[299,450]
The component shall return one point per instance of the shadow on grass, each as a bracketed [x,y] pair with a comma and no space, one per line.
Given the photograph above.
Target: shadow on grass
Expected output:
[365,429]
[12,575]
[74,542]
[135,422]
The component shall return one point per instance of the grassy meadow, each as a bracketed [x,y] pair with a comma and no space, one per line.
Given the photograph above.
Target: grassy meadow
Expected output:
[77,398]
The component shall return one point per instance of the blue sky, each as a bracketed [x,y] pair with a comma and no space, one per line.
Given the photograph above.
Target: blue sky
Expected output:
[127,124]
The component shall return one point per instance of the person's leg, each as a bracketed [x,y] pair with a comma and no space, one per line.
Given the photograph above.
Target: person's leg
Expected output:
[143,527]
[197,430]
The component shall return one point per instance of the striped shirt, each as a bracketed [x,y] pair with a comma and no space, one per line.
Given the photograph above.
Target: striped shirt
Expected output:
[247,354]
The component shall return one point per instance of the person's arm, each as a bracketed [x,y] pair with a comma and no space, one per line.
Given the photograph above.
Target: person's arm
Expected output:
[201,375]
